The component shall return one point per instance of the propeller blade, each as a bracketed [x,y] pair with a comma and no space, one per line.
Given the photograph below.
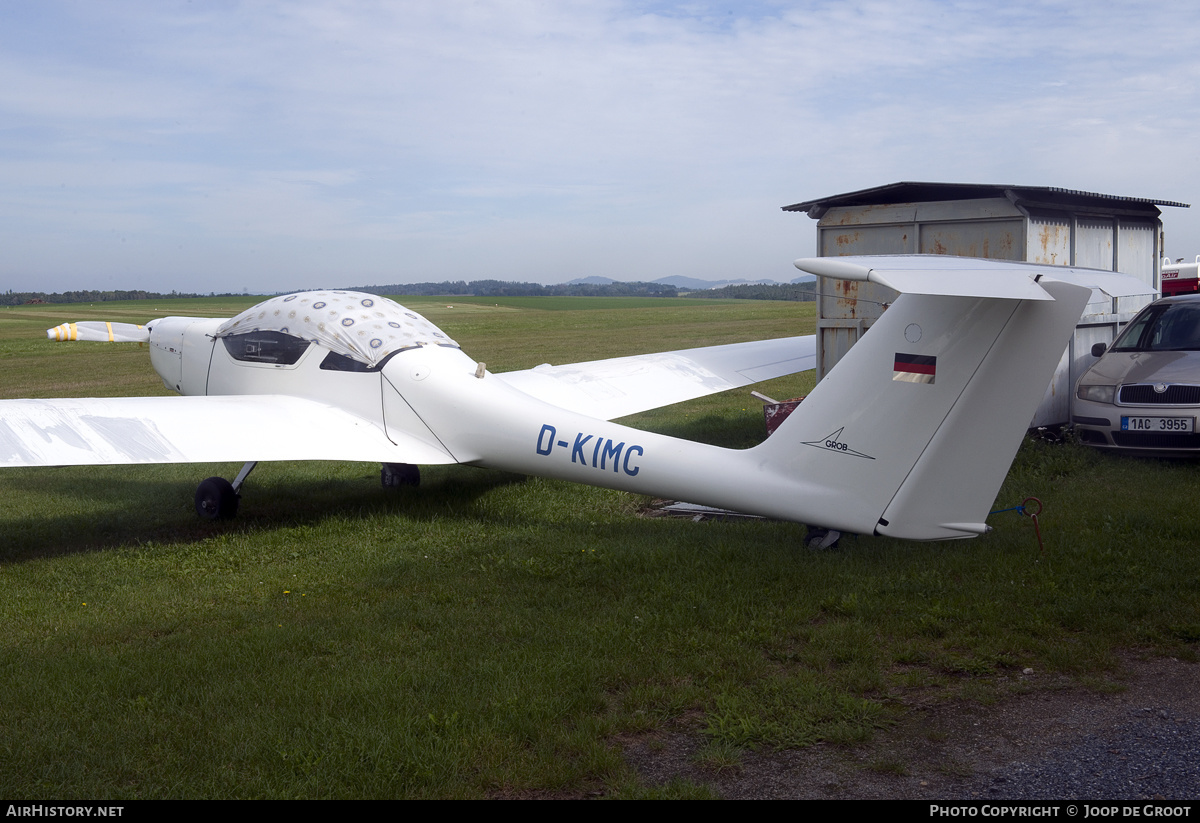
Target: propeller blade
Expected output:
[99,331]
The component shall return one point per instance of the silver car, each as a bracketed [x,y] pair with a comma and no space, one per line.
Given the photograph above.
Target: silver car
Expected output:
[1143,395]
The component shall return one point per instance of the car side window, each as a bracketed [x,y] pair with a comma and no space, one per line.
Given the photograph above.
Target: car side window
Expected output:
[272,347]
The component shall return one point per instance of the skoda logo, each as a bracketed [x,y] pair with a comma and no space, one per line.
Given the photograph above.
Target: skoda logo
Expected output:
[1159,388]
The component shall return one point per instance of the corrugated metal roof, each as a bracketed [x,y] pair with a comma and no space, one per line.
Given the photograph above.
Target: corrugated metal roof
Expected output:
[915,192]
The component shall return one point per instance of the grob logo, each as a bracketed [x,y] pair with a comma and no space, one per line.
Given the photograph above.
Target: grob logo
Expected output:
[834,443]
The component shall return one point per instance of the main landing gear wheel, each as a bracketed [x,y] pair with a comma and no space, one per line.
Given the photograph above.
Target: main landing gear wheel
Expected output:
[216,499]
[399,474]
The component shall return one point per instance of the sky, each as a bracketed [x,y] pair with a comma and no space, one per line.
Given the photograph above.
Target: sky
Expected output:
[275,146]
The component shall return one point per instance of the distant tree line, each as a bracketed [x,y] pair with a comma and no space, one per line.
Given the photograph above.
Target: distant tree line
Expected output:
[753,291]
[20,298]
[500,288]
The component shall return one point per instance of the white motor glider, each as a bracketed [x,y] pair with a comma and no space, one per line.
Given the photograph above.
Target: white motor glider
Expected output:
[909,436]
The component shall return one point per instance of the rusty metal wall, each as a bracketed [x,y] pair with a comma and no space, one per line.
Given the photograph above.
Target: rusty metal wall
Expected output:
[1137,255]
[847,308]
[970,228]
[995,239]
[839,240]
[1094,242]
[1049,238]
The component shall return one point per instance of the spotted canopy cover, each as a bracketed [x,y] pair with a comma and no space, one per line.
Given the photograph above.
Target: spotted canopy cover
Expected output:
[360,326]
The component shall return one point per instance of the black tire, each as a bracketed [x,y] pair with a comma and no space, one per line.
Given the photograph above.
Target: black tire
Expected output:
[216,499]
[399,474]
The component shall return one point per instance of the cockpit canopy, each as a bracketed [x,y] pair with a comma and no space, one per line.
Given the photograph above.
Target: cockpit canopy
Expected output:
[360,326]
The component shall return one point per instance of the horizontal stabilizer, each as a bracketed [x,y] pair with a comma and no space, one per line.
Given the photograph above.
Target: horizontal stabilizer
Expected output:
[607,389]
[98,331]
[123,430]
[946,275]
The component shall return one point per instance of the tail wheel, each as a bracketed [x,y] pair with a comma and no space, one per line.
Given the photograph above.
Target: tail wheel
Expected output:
[216,499]
[819,538]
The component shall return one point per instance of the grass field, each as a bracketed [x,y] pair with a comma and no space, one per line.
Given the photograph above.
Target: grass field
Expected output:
[490,635]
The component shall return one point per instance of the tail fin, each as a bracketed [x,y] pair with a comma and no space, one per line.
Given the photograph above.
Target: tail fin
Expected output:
[913,432]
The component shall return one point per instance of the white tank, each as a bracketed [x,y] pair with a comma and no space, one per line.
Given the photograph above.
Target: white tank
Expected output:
[1180,278]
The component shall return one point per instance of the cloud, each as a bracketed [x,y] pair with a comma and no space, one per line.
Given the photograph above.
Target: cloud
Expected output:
[349,138]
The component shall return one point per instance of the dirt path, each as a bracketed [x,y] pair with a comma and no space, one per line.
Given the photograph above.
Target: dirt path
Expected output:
[1019,747]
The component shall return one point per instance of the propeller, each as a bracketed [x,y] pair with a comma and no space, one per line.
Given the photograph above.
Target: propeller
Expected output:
[99,331]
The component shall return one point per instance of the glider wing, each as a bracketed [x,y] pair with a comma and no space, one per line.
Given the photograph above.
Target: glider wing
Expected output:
[607,389]
[98,431]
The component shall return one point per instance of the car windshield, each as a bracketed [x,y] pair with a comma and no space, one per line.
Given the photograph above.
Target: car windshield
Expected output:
[1163,327]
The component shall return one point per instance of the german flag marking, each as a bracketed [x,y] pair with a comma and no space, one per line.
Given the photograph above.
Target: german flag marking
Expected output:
[914,368]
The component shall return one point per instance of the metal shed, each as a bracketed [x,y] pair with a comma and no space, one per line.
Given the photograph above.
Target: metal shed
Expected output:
[1039,224]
